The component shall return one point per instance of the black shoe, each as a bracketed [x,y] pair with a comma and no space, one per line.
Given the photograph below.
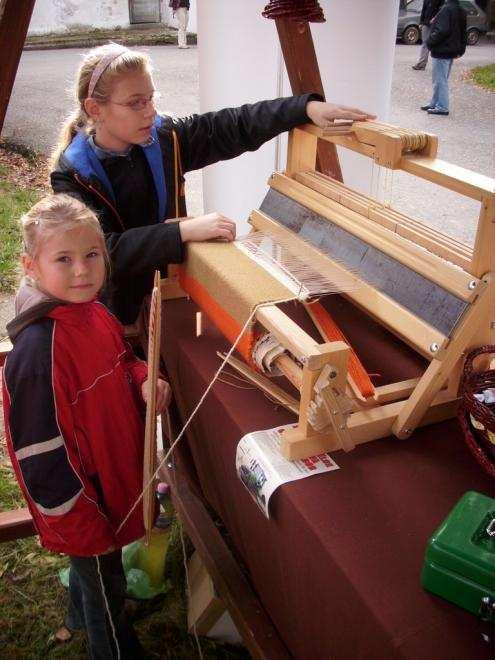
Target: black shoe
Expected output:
[426,107]
[437,111]
[418,67]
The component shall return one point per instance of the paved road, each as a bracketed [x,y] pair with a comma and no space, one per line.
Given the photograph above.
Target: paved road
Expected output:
[466,137]
[43,93]
[41,99]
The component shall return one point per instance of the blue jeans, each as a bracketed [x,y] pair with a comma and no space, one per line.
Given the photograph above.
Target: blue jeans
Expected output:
[97,588]
[440,79]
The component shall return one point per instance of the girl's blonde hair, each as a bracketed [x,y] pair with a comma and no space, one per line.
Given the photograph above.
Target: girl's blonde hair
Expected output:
[54,214]
[128,61]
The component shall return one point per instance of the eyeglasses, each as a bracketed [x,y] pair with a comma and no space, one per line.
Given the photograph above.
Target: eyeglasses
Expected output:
[140,103]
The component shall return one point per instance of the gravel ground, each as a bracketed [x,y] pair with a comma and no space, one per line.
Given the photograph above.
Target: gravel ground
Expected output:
[466,137]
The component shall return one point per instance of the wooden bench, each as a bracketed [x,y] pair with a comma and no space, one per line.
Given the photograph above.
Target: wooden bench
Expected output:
[15,524]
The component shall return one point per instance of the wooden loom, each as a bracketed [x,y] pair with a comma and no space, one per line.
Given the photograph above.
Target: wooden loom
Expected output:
[434,293]
[150,444]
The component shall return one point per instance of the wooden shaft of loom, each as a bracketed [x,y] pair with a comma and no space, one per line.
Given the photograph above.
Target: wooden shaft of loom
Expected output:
[381,213]
[263,383]
[14,22]
[368,425]
[484,252]
[288,333]
[403,323]
[436,242]
[439,370]
[456,178]
[291,371]
[302,68]
[404,251]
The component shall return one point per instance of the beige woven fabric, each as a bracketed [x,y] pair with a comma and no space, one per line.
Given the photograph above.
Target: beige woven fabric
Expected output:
[234,280]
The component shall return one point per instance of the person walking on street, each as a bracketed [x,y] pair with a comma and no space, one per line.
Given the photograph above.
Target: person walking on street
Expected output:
[181,12]
[447,41]
[428,12]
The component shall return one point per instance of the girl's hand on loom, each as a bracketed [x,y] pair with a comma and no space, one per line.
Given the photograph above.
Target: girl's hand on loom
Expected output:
[324,114]
[207,227]
[163,394]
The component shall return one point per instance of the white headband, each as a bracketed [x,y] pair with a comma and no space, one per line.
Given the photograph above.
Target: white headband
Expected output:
[101,66]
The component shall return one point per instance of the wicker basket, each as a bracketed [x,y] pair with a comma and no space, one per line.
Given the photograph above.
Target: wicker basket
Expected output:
[472,411]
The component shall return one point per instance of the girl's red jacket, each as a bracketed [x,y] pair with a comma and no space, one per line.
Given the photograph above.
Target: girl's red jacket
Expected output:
[75,430]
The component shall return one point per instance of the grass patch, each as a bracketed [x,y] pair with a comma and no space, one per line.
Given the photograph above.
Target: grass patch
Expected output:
[16,148]
[14,201]
[85,36]
[33,602]
[485,76]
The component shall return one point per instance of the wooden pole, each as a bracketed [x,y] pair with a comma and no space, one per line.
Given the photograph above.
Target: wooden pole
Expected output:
[14,22]
[302,67]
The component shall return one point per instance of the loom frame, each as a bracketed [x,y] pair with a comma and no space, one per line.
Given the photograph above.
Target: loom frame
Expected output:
[400,407]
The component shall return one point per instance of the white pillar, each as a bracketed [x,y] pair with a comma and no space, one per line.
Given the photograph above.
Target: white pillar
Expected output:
[239,61]
[355,51]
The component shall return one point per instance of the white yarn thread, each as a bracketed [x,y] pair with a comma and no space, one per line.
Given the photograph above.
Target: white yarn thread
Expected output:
[200,402]
[108,608]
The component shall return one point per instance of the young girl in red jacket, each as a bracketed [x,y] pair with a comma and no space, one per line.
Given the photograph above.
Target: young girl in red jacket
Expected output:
[73,396]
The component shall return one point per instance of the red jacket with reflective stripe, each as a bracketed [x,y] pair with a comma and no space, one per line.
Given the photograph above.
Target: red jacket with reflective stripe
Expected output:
[74,421]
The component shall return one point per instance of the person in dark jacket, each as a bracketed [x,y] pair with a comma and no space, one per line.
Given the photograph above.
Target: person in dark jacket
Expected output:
[73,395]
[127,163]
[447,41]
[428,12]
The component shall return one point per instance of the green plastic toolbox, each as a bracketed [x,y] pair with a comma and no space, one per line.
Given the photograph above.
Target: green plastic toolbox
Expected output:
[460,557]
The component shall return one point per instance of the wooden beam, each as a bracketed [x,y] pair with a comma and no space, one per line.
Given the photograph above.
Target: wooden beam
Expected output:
[459,179]
[302,67]
[264,384]
[367,425]
[14,22]
[395,391]
[298,342]
[439,370]
[15,524]
[402,250]
[301,152]
[442,245]
[396,318]
[253,623]
[456,178]
[205,607]
[484,246]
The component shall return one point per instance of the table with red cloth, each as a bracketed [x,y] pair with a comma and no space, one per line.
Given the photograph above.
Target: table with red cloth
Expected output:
[337,567]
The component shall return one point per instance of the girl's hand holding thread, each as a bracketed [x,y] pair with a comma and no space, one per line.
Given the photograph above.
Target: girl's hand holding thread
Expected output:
[163,394]
[207,227]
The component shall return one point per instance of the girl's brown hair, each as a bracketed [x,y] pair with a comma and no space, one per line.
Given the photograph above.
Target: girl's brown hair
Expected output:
[54,214]
[128,61]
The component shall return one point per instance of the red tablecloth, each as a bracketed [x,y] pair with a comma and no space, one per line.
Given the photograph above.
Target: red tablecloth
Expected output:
[338,565]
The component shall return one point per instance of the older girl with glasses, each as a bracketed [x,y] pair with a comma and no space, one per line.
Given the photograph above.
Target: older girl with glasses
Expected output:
[128,163]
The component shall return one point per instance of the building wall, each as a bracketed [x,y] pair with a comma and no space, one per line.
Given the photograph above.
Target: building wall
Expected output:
[62,15]
[66,15]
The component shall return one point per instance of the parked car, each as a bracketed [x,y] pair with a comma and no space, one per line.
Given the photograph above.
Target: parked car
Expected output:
[409,32]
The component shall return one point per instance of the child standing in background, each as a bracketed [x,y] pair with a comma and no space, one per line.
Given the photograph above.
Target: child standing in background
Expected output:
[181,12]
[73,396]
